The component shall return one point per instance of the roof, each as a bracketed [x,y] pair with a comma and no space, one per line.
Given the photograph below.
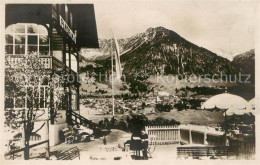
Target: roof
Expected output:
[27,13]
[86,23]
[83,16]
[224,101]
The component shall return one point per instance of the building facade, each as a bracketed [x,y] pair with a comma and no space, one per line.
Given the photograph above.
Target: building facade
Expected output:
[55,33]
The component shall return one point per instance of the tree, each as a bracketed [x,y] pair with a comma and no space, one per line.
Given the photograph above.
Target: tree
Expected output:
[180,106]
[24,91]
[122,125]
[162,121]
[163,107]
[136,123]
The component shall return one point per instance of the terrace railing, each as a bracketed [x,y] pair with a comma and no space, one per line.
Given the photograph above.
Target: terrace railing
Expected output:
[164,134]
[47,61]
[14,61]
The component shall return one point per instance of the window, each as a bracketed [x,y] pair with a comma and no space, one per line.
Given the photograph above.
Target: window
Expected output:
[32,28]
[19,28]
[40,97]
[32,43]
[23,39]
[36,97]
[9,102]
[42,100]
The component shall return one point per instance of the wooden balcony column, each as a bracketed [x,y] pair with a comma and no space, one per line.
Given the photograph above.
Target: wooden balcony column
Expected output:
[50,31]
[70,72]
[78,99]
[64,54]
[65,103]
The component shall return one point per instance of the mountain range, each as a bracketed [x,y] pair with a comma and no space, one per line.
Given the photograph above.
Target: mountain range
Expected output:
[163,51]
[246,63]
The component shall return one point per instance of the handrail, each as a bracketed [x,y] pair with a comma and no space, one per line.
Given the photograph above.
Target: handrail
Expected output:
[83,120]
[61,65]
[81,117]
[57,62]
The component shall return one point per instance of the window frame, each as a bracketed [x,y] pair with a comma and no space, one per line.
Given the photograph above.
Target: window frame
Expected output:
[13,33]
[43,88]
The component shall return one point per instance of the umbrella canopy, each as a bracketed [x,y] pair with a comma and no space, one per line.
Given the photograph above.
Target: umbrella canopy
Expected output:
[251,105]
[238,111]
[224,101]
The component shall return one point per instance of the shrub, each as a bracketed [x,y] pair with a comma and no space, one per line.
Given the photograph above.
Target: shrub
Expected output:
[163,107]
[162,121]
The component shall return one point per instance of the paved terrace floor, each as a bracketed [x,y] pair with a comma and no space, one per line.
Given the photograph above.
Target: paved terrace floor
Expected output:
[96,150]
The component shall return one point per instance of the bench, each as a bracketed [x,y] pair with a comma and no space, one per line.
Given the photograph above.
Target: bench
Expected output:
[197,152]
[69,154]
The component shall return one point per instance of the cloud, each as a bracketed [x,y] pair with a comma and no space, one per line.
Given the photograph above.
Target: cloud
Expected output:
[215,25]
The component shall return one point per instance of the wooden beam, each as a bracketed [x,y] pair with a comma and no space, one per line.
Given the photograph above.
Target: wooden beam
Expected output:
[22,149]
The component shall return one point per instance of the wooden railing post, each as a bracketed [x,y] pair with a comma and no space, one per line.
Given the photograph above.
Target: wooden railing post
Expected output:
[179,135]
[47,144]
[23,140]
[76,119]
[190,136]
[205,136]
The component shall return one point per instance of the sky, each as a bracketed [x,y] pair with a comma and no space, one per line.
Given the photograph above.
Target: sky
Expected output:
[224,27]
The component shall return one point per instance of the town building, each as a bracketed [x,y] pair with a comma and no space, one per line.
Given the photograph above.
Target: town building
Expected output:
[56,33]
